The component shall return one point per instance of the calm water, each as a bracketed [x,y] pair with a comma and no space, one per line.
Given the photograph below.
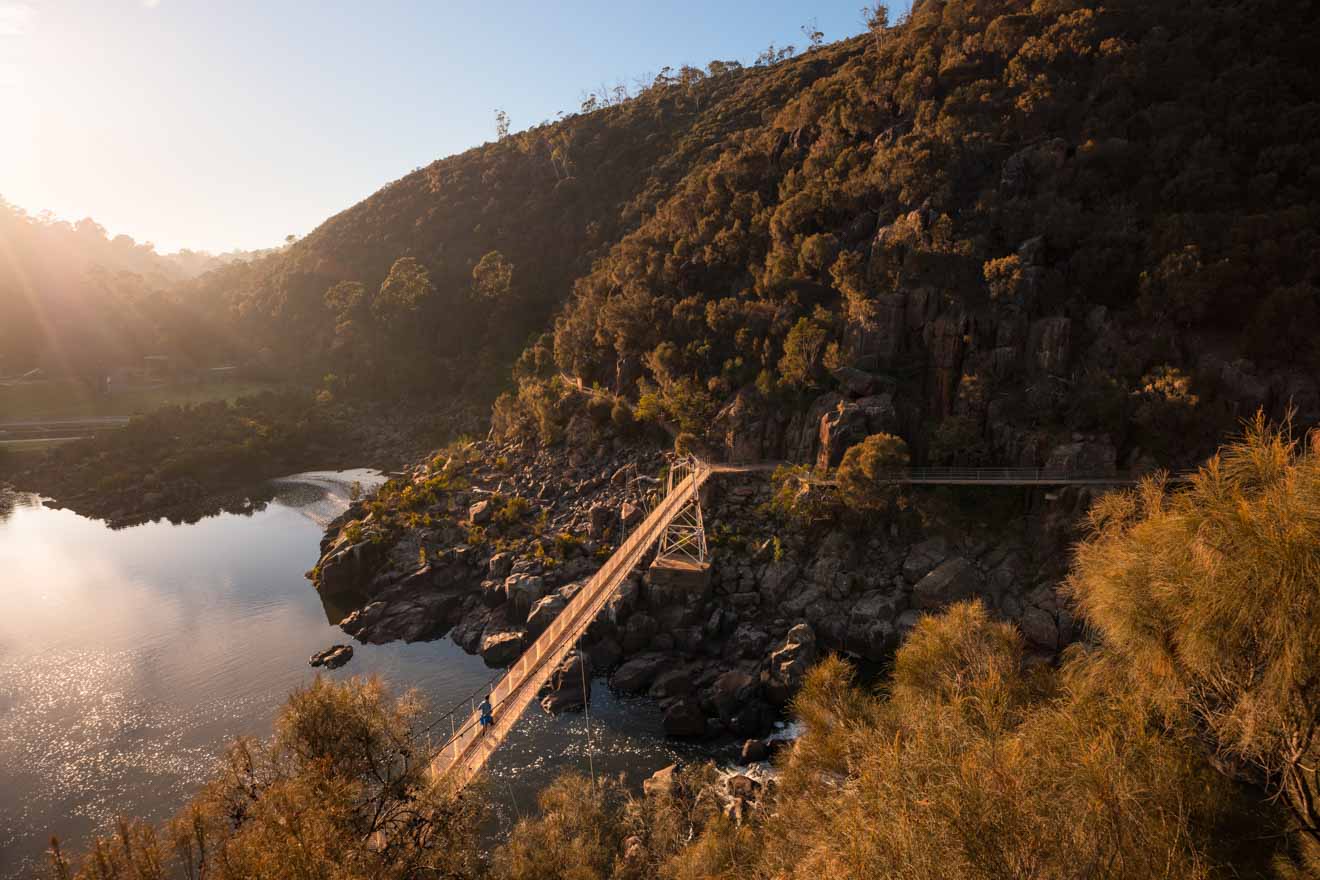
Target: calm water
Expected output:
[128,658]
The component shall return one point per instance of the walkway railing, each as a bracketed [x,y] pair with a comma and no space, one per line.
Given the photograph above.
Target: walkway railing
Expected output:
[1013,475]
[468,747]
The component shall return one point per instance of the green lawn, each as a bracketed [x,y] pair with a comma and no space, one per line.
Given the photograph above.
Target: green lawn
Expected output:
[70,400]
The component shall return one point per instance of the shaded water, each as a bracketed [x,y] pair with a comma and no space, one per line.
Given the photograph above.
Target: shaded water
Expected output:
[128,658]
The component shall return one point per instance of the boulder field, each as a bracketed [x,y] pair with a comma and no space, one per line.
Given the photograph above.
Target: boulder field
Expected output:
[721,656]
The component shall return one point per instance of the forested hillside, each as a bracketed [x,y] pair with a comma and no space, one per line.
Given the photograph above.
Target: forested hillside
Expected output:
[73,299]
[439,279]
[993,228]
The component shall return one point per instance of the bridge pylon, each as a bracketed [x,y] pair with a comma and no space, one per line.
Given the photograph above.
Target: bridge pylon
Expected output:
[683,552]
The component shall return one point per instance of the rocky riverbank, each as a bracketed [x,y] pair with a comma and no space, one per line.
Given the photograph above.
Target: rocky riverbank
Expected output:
[489,541]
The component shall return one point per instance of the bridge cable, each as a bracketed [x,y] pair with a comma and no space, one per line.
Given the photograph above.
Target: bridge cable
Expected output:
[586,710]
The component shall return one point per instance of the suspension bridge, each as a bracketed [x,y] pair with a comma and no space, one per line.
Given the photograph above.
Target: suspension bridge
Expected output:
[675,524]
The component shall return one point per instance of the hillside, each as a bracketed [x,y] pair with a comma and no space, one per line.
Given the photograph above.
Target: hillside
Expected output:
[74,299]
[1008,227]
[540,206]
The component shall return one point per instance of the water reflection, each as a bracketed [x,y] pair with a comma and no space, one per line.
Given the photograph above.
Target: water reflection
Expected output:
[128,657]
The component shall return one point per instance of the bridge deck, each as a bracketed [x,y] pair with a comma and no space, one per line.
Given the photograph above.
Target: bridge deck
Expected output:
[466,752]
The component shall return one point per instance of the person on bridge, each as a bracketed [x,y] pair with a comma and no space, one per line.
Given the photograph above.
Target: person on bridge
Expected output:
[487,714]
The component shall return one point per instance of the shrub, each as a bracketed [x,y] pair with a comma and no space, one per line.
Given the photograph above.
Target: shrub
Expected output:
[622,416]
[804,350]
[1209,593]
[796,501]
[984,769]
[342,790]
[861,475]
[958,441]
[577,834]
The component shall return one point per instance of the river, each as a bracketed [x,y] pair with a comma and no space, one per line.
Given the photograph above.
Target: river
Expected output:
[129,657]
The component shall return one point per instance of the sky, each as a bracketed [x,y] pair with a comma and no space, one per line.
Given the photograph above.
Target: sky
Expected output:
[221,124]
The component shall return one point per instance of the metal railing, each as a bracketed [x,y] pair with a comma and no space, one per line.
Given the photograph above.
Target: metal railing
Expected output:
[999,476]
[1004,475]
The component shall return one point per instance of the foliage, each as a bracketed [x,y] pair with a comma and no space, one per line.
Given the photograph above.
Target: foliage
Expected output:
[179,455]
[804,350]
[492,277]
[862,472]
[73,299]
[1208,593]
[985,769]
[576,836]
[981,765]
[797,500]
[341,790]
[959,441]
[1141,169]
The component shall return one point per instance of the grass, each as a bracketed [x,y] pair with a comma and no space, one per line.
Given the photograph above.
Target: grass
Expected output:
[39,445]
[60,399]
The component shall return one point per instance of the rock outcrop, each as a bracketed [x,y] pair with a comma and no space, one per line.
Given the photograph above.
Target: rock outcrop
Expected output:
[332,657]
[723,654]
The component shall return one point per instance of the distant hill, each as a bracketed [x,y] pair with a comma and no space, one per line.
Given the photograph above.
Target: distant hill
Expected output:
[74,299]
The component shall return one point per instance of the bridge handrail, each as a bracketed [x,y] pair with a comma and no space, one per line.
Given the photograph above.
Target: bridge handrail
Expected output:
[990,473]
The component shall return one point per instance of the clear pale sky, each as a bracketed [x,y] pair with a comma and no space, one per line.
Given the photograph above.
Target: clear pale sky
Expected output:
[219,124]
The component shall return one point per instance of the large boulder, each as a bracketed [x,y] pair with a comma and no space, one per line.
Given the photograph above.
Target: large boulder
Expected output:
[672,683]
[1040,627]
[731,693]
[543,613]
[872,632]
[775,579]
[569,686]
[347,570]
[630,515]
[952,580]
[601,518]
[854,382]
[605,653]
[481,512]
[685,718]
[923,557]
[501,564]
[469,631]
[786,666]
[412,618]
[662,783]
[522,591]
[747,641]
[502,647]
[332,657]
[638,632]
[636,675]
